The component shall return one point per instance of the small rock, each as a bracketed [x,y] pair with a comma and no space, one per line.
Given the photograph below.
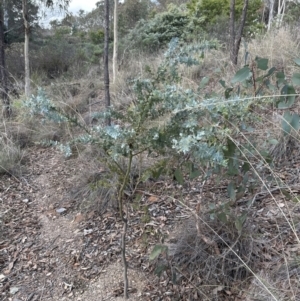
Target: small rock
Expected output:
[61,210]
[13,290]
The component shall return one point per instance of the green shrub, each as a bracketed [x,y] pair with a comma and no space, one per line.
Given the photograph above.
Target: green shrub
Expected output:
[211,133]
[157,32]
[96,36]
[207,13]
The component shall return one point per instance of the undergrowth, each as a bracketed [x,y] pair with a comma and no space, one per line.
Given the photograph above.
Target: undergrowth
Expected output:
[204,134]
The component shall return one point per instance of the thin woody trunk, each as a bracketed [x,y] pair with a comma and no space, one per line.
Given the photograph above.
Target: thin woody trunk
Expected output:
[106,71]
[26,48]
[6,112]
[232,31]
[236,38]
[115,53]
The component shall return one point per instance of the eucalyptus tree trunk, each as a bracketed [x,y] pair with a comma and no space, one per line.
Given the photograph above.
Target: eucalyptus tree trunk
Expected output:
[115,53]
[26,48]
[280,12]
[236,37]
[106,70]
[271,13]
[6,112]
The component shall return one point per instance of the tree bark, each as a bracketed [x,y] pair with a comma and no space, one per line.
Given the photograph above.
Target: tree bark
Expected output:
[232,30]
[115,52]
[280,12]
[6,112]
[236,38]
[26,48]
[106,70]
[271,13]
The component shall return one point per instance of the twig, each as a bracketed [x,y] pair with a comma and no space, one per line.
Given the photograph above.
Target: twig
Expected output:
[263,194]
[207,240]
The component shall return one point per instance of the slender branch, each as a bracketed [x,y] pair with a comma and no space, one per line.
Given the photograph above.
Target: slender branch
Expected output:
[124,217]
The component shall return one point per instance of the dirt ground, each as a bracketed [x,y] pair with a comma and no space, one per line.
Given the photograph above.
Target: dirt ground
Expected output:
[47,253]
[53,249]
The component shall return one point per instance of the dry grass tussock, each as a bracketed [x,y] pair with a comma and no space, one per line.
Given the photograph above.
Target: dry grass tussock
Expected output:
[95,188]
[134,67]
[11,152]
[77,98]
[226,261]
[260,262]
[280,46]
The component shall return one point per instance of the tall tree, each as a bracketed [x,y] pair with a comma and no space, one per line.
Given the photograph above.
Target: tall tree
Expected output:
[3,73]
[280,12]
[115,51]
[62,5]
[271,13]
[13,11]
[26,47]
[236,36]
[106,70]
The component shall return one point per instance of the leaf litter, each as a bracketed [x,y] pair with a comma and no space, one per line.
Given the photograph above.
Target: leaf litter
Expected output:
[51,250]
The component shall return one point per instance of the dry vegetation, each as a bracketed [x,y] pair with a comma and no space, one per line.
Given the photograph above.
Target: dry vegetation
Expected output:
[208,256]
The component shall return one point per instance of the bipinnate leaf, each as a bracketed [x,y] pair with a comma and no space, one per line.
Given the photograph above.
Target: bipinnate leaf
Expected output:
[157,250]
[241,75]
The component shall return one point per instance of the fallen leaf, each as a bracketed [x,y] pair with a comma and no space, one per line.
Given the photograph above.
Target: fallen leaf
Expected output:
[9,268]
[78,218]
[153,199]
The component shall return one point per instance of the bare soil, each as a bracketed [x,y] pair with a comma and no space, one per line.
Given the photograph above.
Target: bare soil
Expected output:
[46,250]
[52,249]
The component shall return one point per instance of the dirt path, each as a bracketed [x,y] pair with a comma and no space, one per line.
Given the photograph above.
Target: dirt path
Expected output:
[46,250]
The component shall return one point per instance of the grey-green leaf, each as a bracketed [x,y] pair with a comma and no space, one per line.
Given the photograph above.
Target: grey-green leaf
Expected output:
[160,269]
[157,250]
[262,64]
[204,82]
[222,217]
[296,79]
[241,75]
[239,222]
[179,176]
[231,191]
[297,61]
[290,121]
